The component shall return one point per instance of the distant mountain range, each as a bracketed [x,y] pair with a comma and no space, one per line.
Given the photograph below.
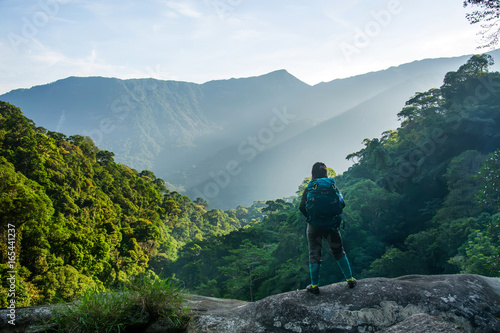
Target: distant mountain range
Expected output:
[233,141]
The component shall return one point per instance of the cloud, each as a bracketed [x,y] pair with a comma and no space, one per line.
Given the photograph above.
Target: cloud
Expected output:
[45,57]
[184,8]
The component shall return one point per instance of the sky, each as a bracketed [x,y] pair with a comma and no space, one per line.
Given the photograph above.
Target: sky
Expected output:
[197,41]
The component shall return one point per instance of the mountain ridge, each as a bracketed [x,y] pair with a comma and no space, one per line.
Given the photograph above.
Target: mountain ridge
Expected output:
[173,128]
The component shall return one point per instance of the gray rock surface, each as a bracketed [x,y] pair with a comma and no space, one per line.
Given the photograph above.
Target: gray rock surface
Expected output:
[424,323]
[409,304]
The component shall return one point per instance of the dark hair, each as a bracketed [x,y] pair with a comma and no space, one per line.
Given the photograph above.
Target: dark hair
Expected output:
[319,170]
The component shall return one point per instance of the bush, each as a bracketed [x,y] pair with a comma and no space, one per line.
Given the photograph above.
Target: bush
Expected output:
[140,302]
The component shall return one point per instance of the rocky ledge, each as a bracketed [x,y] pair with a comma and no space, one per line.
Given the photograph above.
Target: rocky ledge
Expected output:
[409,304]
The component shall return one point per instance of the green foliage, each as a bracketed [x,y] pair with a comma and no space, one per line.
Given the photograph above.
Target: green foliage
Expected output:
[64,283]
[83,221]
[489,176]
[432,162]
[393,263]
[422,105]
[249,264]
[142,300]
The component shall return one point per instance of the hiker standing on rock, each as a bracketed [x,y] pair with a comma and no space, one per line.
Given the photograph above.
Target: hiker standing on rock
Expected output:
[322,205]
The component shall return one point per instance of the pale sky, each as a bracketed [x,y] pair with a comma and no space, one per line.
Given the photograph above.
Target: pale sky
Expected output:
[201,40]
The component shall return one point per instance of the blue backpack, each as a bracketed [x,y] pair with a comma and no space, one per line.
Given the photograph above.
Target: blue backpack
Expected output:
[324,203]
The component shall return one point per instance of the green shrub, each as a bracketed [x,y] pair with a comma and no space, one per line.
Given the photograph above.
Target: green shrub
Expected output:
[143,300]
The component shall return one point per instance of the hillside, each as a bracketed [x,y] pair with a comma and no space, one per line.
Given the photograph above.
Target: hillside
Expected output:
[188,133]
[75,219]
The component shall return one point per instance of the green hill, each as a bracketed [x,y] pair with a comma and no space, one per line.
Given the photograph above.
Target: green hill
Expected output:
[73,219]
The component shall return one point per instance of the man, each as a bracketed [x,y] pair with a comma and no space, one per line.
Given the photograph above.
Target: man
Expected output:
[319,227]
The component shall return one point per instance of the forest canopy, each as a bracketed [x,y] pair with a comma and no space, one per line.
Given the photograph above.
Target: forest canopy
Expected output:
[83,221]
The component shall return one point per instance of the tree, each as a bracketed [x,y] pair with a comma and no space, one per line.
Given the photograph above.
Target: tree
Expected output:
[489,198]
[276,206]
[489,13]
[105,156]
[477,65]
[481,255]
[422,104]
[201,202]
[458,84]
[64,282]
[22,201]
[246,265]
[489,176]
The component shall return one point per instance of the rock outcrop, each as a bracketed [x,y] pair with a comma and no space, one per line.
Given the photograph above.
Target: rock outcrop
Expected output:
[409,304]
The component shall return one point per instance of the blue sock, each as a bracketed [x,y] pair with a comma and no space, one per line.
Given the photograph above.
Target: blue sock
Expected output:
[345,267]
[314,270]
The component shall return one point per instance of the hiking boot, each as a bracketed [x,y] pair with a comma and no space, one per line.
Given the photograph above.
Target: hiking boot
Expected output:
[311,289]
[352,283]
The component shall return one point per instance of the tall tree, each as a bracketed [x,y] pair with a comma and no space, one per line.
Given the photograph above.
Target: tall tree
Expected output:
[489,175]
[489,14]
[246,265]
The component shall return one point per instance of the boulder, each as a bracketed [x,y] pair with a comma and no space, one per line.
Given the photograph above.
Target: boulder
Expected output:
[409,304]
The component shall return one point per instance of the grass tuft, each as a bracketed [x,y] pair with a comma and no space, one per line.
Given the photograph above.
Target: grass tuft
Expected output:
[141,302]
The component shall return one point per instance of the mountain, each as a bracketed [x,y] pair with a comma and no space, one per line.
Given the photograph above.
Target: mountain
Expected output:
[227,141]
[132,118]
